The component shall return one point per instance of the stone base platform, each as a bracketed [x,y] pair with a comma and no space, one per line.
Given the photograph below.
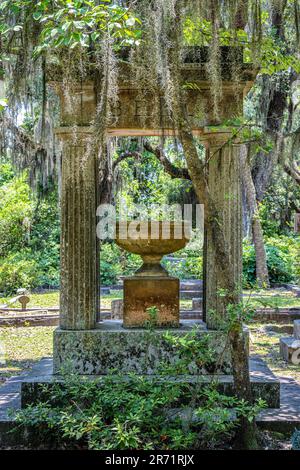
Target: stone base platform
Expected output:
[264,384]
[143,351]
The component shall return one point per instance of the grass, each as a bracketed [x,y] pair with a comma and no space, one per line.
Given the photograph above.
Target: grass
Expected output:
[51,299]
[272,298]
[258,299]
[48,299]
[23,347]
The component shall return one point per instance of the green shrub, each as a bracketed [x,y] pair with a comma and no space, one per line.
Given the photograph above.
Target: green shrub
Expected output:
[249,268]
[188,268]
[29,234]
[115,262]
[16,211]
[190,259]
[17,271]
[289,248]
[282,263]
[278,265]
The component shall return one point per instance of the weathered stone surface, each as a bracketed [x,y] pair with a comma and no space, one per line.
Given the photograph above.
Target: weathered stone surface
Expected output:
[190,315]
[287,418]
[297,329]
[288,329]
[117,307]
[79,287]
[190,294]
[140,112]
[297,223]
[191,285]
[104,290]
[111,346]
[225,189]
[42,319]
[290,350]
[280,315]
[141,293]
[152,240]
[263,382]
[197,304]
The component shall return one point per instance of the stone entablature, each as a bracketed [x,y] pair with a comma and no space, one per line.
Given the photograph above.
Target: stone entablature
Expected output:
[140,112]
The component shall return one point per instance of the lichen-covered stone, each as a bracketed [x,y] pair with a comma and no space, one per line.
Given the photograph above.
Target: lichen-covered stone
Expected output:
[224,180]
[110,346]
[264,385]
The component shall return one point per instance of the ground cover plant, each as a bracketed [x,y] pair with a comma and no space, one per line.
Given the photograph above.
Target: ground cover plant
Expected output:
[140,412]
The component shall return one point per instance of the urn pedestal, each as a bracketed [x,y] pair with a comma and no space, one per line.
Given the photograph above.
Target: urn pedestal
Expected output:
[141,293]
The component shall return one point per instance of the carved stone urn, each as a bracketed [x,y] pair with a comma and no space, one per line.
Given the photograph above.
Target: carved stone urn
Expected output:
[151,286]
[152,241]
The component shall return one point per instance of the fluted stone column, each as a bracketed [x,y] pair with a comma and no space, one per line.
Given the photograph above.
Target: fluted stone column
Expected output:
[225,188]
[78,293]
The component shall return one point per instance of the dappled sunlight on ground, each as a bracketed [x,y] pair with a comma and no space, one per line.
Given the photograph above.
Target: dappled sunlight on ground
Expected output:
[23,347]
[265,343]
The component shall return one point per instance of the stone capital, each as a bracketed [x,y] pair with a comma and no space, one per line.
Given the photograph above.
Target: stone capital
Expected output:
[215,142]
[74,136]
[74,132]
[219,138]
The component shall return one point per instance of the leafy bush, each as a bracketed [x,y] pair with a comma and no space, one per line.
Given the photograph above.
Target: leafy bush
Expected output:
[189,268]
[110,267]
[289,248]
[29,235]
[18,271]
[115,262]
[25,270]
[16,211]
[282,263]
[278,265]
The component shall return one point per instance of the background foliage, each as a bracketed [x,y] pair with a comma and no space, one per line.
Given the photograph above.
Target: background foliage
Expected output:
[29,233]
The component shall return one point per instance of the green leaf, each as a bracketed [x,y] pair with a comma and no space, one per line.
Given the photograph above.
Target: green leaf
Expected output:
[37,16]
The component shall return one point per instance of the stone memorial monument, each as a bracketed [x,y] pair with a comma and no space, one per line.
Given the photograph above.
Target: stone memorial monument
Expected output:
[94,348]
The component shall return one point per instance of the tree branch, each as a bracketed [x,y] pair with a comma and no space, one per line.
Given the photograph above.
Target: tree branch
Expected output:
[124,156]
[292,172]
[169,168]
